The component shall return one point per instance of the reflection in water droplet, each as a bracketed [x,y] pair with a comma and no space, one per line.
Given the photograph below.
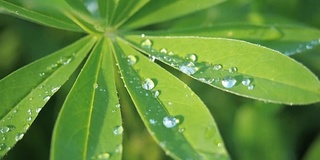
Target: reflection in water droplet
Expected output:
[191,57]
[217,67]
[170,121]
[4,129]
[188,68]
[246,81]
[233,70]
[152,58]
[146,44]
[131,60]
[251,87]
[118,130]
[19,136]
[156,93]
[38,109]
[228,82]
[148,84]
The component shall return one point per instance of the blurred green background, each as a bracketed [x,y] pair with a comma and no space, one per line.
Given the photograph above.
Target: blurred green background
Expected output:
[250,129]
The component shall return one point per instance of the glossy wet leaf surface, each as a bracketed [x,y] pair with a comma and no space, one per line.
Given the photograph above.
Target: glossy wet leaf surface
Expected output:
[89,125]
[172,113]
[236,66]
[32,87]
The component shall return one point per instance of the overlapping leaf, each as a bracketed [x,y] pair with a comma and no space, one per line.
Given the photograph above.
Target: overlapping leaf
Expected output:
[39,12]
[24,92]
[89,125]
[176,118]
[158,11]
[235,66]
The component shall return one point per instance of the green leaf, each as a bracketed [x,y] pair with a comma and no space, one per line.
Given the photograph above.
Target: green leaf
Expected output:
[125,10]
[174,116]
[159,11]
[24,92]
[313,151]
[288,39]
[51,17]
[235,66]
[89,124]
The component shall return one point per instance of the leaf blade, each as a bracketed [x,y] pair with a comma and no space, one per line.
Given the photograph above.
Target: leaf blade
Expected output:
[257,63]
[92,135]
[196,135]
[33,86]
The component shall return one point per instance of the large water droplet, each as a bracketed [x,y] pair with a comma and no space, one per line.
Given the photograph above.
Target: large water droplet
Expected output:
[19,136]
[188,68]
[146,44]
[132,60]
[228,82]
[191,57]
[148,84]
[6,129]
[118,130]
[170,121]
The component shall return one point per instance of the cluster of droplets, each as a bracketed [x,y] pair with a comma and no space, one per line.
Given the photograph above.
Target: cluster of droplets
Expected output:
[190,66]
[303,47]
[61,61]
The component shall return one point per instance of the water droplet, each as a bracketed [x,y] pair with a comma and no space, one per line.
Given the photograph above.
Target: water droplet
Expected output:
[228,82]
[146,44]
[152,121]
[181,130]
[132,60]
[19,136]
[29,111]
[30,99]
[152,58]
[188,68]
[14,111]
[26,126]
[29,118]
[148,84]
[163,50]
[143,35]
[118,105]
[246,81]
[55,89]
[118,130]
[169,103]
[41,74]
[191,57]
[156,93]
[119,148]
[6,129]
[170,121]
[65,60]
[102,156]
[95,85]
[38,109]
[233,70]
[219,145]
[217,67]
[250,87]
[3,147]
[46,98]
[17,12]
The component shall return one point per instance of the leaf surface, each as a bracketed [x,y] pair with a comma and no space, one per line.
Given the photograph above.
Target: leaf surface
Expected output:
[288,39]
[158,11]
[235,66]
[89,124]
[24,92]
[40,13]
[174,116]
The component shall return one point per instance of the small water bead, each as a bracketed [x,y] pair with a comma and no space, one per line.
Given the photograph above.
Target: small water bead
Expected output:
[119,148]
[14,111]
[169,103]
[152,58]
[55,89]
[42,74]
[29,118]
[246,82]
[46,98]
[191,57]
[152,121]
[118,130]
[143,35]
[38,109]
[118,105]
[148,84]
[65,60]
[146,44]
[95,86]
[26,126]
[233,70]
[217,67]
[181,130]
[156,93]
[19,136]
[29,111]
[250,87]
[102,156]
[163,50]
[5,129]
[30,99]
[228,82]
[188,68]
[131,60]
[3,147]
[170,121]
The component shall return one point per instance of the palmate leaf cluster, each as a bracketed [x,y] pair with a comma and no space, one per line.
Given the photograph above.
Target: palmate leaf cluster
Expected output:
[245,59]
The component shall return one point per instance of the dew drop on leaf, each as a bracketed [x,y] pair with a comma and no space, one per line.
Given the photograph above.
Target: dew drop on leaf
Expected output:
[170,121]
[3,146]
[246,82]
[119,148]
[148,84]
[4,129]
[19,136]
[95,85]
[29,118]
[217,67]
[233,70]
[118,130]
[152,121]
[152,58]
[191,57]
[156,94]
[131,60]
[163,50]
[146,44]
[65,60]
[103,156]
[46,98]
[250,87]
[118,105]
[143,35]
[41,74]
[228,82]
[188,68]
